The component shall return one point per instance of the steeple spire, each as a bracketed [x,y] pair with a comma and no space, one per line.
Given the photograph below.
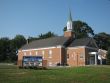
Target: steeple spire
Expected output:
[70,17]
[69,22]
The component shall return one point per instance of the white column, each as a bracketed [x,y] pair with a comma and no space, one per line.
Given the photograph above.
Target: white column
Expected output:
[95,58]
[101,60]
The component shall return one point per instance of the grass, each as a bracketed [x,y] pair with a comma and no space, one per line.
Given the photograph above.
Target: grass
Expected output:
[12,74]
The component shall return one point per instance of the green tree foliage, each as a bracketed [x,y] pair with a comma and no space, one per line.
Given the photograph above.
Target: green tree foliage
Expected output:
[18,41]
[81,29]
[4,49]
[108,57]
[30,39]
[102,40]
[42,36]
[9,47]
[46,35]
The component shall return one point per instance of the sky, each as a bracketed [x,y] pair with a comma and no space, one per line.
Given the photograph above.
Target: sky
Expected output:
[33,17]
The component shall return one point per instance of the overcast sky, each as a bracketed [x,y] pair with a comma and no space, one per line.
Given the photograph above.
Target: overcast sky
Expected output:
[33,17]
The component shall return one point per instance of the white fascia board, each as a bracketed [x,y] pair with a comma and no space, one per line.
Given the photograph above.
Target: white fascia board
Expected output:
[92,52]
[77,47]
[59,46]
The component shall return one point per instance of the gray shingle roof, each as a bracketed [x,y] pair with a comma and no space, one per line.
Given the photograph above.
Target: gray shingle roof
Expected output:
[55,41]
[80,42]
[46,42]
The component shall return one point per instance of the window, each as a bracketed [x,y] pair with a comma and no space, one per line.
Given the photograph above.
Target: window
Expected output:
[36,53]
[50,53]
[81,55]
[24,53]
[30,53]
[43,53]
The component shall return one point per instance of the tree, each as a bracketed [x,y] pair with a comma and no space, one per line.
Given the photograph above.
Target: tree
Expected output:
[32,39]
[81,29]
[102,40]
[46,35]
[5,49]
[108,57]
[42,36]
[8,48]
[19,41]
[15,44]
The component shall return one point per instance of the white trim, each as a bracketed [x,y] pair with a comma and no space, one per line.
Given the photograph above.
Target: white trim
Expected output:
[93,53]
[43,52]
[59,46]
[36,52]
[24,53]
[77,47]
[30,53]
[19,51]
[50,54]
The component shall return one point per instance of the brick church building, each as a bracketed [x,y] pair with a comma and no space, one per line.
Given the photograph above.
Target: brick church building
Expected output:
[61,50]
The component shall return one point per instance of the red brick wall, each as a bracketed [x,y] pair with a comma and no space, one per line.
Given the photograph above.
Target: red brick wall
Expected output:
[68,34]
[78,56]
[74,56]
[56,55]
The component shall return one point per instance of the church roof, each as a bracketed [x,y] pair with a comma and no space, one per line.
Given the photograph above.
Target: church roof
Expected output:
[90,42]
[80,42]
[61,40]
[54,41]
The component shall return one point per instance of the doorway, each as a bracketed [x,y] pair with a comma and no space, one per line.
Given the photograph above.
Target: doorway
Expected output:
[92,60]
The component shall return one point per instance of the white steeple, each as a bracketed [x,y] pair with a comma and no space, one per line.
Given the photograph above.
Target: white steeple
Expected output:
[69,22]
[69,33]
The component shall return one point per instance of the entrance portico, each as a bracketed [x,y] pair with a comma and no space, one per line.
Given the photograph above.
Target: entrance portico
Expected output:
[93,58]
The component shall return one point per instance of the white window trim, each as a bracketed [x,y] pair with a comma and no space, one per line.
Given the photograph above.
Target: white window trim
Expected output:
[24,53]
[43,52]
[36,52]
[50,54]
[30,53]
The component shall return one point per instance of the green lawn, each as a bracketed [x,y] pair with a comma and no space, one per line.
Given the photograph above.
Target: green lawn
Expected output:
[11,74]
